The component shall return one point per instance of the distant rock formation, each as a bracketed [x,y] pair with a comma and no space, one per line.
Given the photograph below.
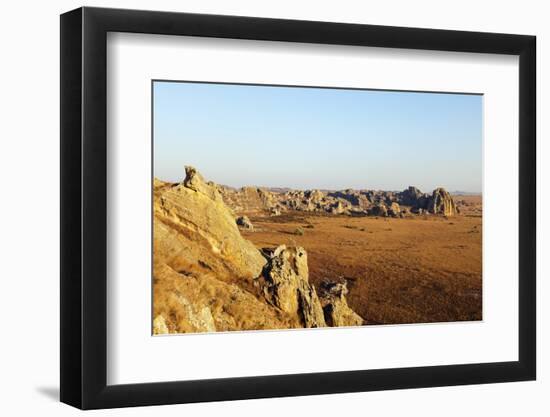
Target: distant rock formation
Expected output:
[244,222]
[345,202]
[379,209]
[394,210]
[250,199]
[413,197]
[441,202]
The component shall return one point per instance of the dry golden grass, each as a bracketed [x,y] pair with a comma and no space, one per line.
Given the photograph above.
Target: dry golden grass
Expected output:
[414,270]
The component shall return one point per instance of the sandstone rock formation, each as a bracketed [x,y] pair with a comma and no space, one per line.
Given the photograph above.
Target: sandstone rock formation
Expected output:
[275,211]
[195,301]
[394,210]
[207,277]
[413,197]
[344,202]
[335,307]
[379,209]
[285,284]
[192,216]
[250,199]
[441,202]
[159,325]
[244,222]
[274,203]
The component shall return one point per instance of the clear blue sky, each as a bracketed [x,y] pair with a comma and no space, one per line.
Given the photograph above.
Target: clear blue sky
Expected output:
[317,138]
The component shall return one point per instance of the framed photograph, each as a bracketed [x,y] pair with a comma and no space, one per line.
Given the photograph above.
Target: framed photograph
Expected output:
[257,208]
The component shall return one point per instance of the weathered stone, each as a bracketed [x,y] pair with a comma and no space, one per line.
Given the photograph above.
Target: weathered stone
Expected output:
[207,277]
[335,307]
[379,210]
[337,208]
[244,222]
[441,202]
[203,268]
[192,302]
[194,181]
[159,325]
[347,202]
[284,284]
[275,211]
[394,210]
[193,224]
[413,198]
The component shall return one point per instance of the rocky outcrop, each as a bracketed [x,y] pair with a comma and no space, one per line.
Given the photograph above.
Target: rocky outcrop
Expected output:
[194,226]
[159,325]
[441,202]
[250,199]
[207,277]
[284,283]
[203,268]
[394,210]
[275,211]
[378,209]
[345,202]
[413,197]
[192,301]
[335,307]
[244,222]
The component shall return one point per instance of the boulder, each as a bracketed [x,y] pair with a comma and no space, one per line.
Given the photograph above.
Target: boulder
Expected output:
[275,211]
[413,197]
[379,209]
[337,208]
[244,222]
[335,307]
[394,210]
[194,181]
[441,202]
[284,283]
[159,325]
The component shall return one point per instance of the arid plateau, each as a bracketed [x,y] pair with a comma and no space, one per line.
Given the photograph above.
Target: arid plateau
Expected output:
[227,259]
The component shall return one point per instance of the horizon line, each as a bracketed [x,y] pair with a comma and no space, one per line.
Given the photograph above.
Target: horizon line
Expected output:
[457,192]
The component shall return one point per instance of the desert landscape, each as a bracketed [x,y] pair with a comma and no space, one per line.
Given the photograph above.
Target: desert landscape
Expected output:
[256,258]
[292,207]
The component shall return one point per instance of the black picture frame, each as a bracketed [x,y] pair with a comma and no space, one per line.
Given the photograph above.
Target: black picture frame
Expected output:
[84,207]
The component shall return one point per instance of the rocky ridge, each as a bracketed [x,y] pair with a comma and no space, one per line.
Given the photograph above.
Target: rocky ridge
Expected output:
[346,202]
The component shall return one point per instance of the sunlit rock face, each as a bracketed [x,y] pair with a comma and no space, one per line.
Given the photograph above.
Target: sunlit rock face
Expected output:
[284,283]
[208,278]
[441,202]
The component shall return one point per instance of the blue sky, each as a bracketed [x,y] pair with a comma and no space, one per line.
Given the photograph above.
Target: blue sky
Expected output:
[317,138]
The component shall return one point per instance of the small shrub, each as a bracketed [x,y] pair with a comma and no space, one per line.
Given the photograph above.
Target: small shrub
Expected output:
[299,231]
[347,226]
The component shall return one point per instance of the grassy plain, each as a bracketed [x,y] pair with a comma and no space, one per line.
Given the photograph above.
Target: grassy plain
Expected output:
[417,269]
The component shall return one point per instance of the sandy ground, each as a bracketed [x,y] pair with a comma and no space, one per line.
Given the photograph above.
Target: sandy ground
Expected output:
[412,270]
